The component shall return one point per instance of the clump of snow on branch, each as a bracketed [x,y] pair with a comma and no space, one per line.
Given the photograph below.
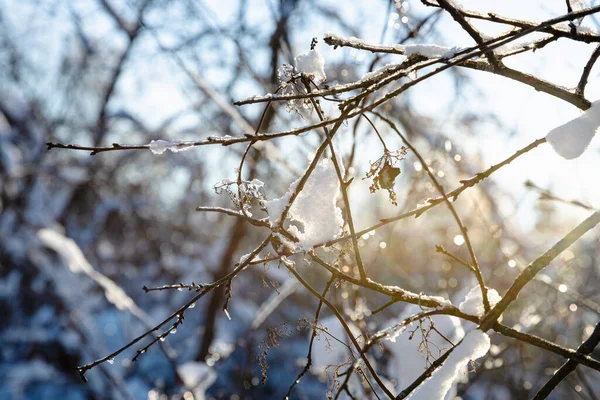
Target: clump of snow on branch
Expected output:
[428,50]
[571,139]
[276,207]
[454,3]
[312,63]
[473,303]
[352,40]
[197,377]
[408,361]
[568,27]
[177,145]
[475,345]
[314,208]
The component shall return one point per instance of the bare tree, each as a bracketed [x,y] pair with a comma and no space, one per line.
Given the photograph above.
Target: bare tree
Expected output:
[309,229]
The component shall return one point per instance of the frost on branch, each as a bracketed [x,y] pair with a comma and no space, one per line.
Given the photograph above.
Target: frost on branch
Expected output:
[475,345]
[473,303]
[248,190]
[570,140]
[313,64]
[314,214]
[177,145]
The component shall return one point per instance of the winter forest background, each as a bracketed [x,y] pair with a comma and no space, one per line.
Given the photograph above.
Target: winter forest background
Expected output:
[355,176]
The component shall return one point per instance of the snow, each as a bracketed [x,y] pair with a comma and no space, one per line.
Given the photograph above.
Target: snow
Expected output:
[160,146]
[244,258]
[456,4]
[512,46]
[314,208]
[276,207]
[475,345]
[77,263]
[571,139]
[197,376]
[577,5]
[428,50]
[473,303]
[352,40]
[407,362]
[565,26]
[380,72]
[443,302]
[312,63]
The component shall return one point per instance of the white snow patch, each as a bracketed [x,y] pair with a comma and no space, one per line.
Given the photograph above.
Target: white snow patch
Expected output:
[160,146]
[570,140]
[473,303]
[314,208]
[276,207]
[352,40]
[380,72]
[197,376]
[565,26]
[456,4]
[475,345]
[428,50]
[312,63]
[443,302]
[77,263]
[244,258]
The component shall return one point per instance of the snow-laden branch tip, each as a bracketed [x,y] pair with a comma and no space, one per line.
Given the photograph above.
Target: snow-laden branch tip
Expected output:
[429,50]
[454,3]
[426,50]
[177,145]
[570,140]
[473,303]
[475,345]
[312,63]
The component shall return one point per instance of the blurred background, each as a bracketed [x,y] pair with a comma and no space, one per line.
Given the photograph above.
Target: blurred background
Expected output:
[97,72]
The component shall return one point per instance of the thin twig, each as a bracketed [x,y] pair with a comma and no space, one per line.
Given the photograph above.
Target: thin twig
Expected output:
[547,195]
[441,249]
[291,267]
[587,70]
[312,339]
[178,314]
